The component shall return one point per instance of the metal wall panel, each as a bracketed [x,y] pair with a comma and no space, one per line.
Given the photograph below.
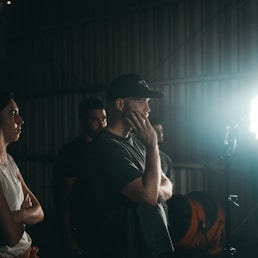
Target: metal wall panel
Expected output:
[86,47]
[202,53]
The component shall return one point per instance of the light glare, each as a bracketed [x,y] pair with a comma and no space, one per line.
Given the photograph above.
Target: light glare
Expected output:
[254,117]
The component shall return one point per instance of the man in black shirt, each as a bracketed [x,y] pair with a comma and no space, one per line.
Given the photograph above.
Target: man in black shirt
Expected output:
[166,161]
[125,217]
[71,162]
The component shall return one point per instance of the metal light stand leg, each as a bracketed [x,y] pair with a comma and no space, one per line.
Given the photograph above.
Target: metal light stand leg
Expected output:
[229,198]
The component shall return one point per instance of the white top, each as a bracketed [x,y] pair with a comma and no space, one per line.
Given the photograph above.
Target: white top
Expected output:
[14,195]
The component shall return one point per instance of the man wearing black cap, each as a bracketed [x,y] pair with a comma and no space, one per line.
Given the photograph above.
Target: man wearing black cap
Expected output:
[128,220]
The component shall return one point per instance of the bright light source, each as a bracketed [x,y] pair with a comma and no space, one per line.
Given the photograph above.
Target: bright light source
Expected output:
[9,2]
[253,127]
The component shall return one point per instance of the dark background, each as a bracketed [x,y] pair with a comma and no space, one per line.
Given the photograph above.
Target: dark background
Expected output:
[202,53]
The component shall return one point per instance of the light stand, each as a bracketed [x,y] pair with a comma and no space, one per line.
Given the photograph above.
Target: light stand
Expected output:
[230,145]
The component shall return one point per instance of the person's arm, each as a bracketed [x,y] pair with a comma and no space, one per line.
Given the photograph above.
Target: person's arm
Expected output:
[166,188]
[31,211]
[65,188]
[145,189]
[170,173]
[66,185]
[11,231]
[64,179]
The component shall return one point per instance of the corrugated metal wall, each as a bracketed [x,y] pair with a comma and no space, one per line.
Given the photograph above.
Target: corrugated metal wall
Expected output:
[202,53]
[66,45]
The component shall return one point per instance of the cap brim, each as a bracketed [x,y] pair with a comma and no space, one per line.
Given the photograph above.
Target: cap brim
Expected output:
[156,94]
[135,94]
[150,94]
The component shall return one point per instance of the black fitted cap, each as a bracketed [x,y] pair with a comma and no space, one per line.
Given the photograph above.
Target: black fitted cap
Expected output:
[130,85]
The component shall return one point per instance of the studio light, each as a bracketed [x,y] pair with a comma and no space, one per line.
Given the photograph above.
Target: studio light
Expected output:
[5,2]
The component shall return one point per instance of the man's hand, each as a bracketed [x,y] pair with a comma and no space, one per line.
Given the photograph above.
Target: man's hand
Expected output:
[142,127]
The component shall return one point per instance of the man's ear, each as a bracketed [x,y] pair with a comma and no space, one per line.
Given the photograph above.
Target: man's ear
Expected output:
[119,104]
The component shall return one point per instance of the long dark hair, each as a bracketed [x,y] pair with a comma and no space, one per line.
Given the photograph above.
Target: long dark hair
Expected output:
[5,98]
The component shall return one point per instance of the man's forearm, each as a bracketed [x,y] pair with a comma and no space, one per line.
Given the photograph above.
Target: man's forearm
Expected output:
[166,188]
[152,174]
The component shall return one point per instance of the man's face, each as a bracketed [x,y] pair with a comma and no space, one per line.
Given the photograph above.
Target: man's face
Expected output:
[94,122]
[159,131]
[140,105]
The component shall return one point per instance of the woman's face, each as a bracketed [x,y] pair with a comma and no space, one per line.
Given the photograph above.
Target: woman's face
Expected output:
[11,122]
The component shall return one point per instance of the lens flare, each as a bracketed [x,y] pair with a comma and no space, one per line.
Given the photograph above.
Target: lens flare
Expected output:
[253,127]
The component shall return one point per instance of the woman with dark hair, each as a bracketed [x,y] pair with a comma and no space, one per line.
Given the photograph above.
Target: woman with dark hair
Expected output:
[18,205]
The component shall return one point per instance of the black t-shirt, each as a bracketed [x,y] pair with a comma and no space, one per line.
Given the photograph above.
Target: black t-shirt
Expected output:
[71,158]
[119,227]
[71,162]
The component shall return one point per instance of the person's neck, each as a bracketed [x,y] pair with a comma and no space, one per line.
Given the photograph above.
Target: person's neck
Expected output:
[119,128]
[86,137]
